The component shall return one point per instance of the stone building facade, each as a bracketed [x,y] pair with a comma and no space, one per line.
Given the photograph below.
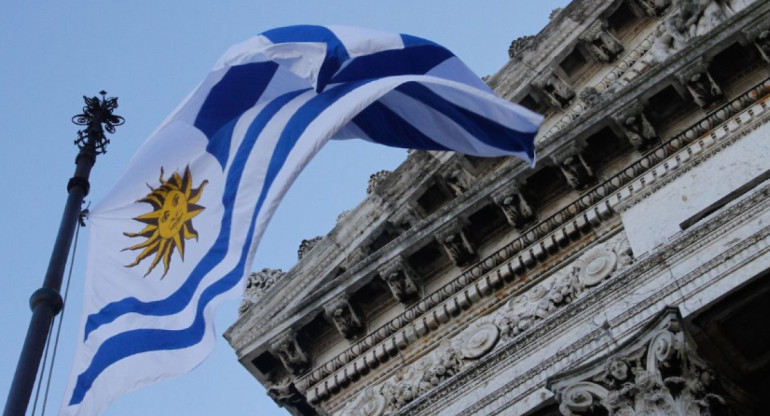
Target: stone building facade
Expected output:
[625,274]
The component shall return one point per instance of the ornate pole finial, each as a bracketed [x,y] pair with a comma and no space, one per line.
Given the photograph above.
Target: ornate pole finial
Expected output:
[96,113]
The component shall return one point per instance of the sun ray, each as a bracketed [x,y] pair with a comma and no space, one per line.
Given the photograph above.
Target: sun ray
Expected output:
[169,223]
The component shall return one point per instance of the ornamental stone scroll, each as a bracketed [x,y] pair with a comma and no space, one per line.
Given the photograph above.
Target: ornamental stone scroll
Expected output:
[659,373]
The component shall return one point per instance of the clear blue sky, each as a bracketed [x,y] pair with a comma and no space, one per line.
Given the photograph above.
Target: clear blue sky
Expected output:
[151,54]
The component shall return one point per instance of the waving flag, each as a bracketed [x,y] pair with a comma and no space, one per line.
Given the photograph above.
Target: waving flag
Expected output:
[179,230]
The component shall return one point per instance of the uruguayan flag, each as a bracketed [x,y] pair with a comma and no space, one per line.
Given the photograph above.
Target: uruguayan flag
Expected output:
[179,230]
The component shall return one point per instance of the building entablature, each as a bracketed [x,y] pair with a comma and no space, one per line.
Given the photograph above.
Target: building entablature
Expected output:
[446,233]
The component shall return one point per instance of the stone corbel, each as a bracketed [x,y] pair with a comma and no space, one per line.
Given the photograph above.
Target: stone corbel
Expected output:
[558,93]
[635,126]
[456,243]
[653,8]
[517,210]
[703,90]
[401,280]
[600,43]
[762,42]
[576,171]
[456,178]
[657,372]
[405,216]
[291,353]
[285,394]
[344,317]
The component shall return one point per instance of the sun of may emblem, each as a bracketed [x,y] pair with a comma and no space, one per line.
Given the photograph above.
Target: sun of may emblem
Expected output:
[170,222]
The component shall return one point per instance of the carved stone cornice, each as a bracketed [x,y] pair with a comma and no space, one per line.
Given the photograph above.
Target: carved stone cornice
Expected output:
[529,255]
[523,253]
[622,285]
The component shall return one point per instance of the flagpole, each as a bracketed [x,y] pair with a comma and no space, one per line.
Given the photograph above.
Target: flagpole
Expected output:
[46,302]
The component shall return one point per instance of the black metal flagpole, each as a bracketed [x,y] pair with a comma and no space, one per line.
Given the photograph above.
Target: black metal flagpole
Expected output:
[46,302]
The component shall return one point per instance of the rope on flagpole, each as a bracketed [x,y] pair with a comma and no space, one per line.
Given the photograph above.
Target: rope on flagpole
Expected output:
[81,220]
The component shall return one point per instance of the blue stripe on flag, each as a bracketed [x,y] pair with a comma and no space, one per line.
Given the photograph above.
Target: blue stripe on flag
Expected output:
[336,53]
[487,131]
[179,299]
[128,343]
[400,133]
[235,93]
[416,60]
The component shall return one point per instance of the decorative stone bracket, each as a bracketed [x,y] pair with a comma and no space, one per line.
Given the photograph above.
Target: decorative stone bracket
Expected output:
[457,179]
[344,317]
[558,93]
[576,171]
[653,8]
[635,126]
[293,357]
[656,373]
[457,246]
[517,210]
[401,280]
[600,43]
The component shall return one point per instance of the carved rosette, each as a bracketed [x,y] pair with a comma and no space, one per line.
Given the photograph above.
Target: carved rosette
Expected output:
[478,339]
[291,354]
[596,266]
[401,280]
[344,317]
[658,374]
[306,245]
[257,284]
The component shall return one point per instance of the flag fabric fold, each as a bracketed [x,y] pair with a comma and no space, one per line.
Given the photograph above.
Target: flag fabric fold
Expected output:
[177,233]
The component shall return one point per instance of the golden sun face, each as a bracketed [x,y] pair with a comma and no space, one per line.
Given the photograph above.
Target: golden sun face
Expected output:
[170,222]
